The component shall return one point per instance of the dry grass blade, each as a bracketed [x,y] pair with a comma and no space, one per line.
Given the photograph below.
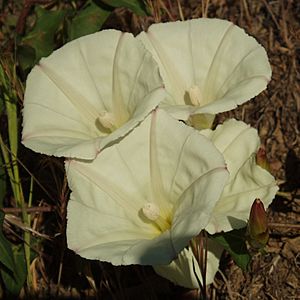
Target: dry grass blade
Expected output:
[13,220]
[275,113]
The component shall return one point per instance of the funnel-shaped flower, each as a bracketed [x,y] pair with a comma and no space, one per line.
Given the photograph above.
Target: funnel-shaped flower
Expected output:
[239,143]
[208,66]
[257,228]
[142,199]
[88,94]
[185,271]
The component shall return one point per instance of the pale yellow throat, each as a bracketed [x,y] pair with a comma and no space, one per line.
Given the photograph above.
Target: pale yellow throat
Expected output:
[152,213]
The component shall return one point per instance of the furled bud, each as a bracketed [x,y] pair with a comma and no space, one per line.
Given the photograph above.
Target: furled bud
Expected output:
[261,159]
[257,229]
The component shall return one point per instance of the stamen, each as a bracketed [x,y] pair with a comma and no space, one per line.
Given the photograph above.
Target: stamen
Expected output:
[195,95]
[152,213]
[107,120]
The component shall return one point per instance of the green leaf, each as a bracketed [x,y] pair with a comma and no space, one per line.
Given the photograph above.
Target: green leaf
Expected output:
[2,167]
[234,242]
[3,87]
[41,37]
[14,282]
[6,254]
[2,181]
[26,57]
[88,20]
[137,6]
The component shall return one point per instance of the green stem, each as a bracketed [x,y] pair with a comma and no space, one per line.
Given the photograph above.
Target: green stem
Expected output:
[15,180]
[11,110]
[27,237]
[8,167]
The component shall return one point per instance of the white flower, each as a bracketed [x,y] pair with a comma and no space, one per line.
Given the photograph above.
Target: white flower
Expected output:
[185,271]
[88,94]
[142,199]
[239,143]
[208,66]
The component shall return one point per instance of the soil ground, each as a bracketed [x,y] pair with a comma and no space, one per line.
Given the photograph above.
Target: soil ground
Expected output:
[276,115]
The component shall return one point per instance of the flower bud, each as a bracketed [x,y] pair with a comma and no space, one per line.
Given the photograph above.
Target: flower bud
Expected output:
[257,229]
[261,159]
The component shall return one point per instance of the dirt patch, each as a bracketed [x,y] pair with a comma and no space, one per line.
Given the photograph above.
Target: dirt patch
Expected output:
[276,115]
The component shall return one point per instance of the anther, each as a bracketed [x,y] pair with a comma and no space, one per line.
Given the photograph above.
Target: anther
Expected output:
[195,95]
[151,211]
[107,120]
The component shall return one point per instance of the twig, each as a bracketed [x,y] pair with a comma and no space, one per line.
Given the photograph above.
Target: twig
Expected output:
[16,221]
[164,7]
[285,195]
[271,14]
[227,284]
[292,226]
[180,10]
[284,26]
[245,4]
[33,209]
[62,212]
[205,8]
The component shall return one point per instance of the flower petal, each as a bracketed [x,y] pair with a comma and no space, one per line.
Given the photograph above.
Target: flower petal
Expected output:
[196,205]
[182,158]
[239,143]
[114,238]
[109,193]
[192,175]
[211,62]
[181,271]
[73,96]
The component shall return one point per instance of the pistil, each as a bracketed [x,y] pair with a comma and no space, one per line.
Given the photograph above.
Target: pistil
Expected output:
[195,95]
[152,212]
[106,120]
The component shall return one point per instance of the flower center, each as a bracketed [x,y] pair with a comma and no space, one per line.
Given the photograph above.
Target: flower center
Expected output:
[106,122]
[152,213]
[195,95]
